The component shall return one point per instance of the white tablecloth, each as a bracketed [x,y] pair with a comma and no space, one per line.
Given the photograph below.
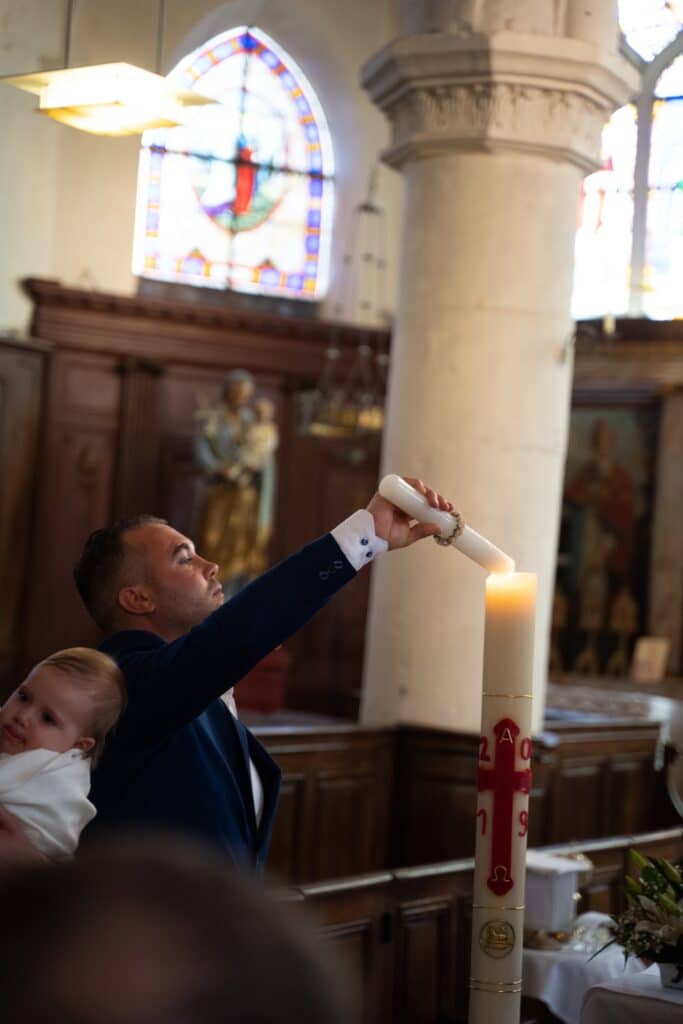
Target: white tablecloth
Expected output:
[638,999]
[561,979]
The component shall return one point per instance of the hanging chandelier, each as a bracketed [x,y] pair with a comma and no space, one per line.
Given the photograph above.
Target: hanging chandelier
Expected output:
[109,99]
[350,406]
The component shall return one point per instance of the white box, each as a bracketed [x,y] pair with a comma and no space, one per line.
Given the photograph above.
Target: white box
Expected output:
[551,882]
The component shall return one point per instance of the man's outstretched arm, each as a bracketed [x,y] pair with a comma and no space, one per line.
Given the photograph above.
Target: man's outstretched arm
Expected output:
[174,682]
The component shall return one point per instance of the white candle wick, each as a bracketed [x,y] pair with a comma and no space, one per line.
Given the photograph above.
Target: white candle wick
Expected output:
[396,490]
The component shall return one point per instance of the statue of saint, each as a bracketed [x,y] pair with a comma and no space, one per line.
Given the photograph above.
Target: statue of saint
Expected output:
[235,448]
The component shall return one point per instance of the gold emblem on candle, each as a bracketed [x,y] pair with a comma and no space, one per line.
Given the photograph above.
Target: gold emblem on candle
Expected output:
[497,939]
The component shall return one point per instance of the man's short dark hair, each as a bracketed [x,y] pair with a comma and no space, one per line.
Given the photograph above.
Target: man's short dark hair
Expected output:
[99,566]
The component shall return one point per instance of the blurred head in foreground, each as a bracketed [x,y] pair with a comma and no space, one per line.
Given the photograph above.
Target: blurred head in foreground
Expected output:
[145,933]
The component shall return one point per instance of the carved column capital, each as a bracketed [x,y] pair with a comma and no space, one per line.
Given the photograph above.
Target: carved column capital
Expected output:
[543,95]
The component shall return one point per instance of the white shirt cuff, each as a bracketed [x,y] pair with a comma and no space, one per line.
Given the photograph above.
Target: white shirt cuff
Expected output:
[357,538]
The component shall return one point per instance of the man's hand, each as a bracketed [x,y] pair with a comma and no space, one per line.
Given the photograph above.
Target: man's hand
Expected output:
[14,846]
[394,527]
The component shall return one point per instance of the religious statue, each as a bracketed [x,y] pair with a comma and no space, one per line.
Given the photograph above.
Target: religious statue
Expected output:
[235,448]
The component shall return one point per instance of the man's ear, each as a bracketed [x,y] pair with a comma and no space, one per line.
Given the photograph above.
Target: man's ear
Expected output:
[85,743]
[136,600]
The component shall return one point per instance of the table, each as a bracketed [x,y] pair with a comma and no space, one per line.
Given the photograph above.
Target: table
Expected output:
[561,979]
[637,999]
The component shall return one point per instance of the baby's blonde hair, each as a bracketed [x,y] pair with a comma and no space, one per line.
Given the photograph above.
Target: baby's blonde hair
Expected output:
[107,692]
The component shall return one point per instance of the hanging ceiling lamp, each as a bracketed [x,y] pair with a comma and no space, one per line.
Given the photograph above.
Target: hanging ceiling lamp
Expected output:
[109,99]
[353,408]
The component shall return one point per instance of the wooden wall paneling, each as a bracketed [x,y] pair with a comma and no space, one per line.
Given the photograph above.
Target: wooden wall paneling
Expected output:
[431,955]
[579,799]
[604,782]
[631,783]
[541,804]
[328,678]
[337,791]
[435,796]
[365,799]
[355,917]
[21,386]
[408,931]
[285,861]
[350,805]
[75,493]
[137,456]
[603,890]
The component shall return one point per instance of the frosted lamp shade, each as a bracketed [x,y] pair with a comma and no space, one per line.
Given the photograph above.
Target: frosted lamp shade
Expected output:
[108,99]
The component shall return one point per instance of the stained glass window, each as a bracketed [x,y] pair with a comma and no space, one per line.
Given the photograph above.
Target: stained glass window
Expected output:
[629,243]
[605,222]
[650,25]
[241,196]
[662,291]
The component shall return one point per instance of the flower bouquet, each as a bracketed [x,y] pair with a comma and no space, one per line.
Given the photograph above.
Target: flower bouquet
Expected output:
[651,927]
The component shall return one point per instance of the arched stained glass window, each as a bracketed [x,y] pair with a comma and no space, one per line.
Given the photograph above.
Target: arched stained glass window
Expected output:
[241,196]
[629,255]
[605,223]
[650,25]
[663,271]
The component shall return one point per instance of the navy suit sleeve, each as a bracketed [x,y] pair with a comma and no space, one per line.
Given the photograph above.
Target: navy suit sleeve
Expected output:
[177,681]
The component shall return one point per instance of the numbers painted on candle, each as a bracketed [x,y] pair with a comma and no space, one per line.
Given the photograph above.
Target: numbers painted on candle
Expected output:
[525,748]
[481,813]
[524,822]
[484,749]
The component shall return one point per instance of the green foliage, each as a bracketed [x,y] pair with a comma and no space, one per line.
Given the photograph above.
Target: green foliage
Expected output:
[651,927]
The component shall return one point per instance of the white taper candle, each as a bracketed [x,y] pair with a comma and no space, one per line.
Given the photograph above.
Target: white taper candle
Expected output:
[396,490]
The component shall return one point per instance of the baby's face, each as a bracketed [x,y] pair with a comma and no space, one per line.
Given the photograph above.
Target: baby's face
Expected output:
[264,410]
[48,711]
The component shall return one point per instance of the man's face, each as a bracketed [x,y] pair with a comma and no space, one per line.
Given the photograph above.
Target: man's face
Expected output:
[182,586]
[48,711]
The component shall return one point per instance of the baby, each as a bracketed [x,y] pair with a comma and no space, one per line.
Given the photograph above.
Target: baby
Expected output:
[261,438]
[52,729]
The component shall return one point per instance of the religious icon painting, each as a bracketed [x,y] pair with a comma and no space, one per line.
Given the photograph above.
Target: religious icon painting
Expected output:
[601,596]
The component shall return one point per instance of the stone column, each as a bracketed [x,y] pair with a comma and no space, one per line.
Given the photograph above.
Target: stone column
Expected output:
[496,114]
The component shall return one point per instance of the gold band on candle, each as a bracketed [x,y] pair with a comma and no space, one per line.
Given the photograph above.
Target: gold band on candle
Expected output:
[482,906]
[509,696]
[495,985]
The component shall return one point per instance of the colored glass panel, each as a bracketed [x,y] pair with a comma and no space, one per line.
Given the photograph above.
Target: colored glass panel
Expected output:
[605,223]
[670,83]
[663,273]
[650,25]
[241,196]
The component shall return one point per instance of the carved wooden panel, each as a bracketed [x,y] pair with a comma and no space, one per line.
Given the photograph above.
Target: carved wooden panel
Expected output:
[344,805]
[21,370]
[579,799]
[603,891]
[406,931]
[425,960]
[356,919]
[336,798]
[631,782]
[285,857]
[75,496]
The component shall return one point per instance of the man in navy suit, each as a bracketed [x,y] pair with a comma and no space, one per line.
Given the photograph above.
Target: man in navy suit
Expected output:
[179,758]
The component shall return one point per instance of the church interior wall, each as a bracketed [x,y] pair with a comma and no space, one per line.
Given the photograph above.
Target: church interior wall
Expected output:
[67,199]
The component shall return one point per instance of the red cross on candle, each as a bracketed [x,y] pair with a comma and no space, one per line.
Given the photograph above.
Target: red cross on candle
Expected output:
[505,781]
